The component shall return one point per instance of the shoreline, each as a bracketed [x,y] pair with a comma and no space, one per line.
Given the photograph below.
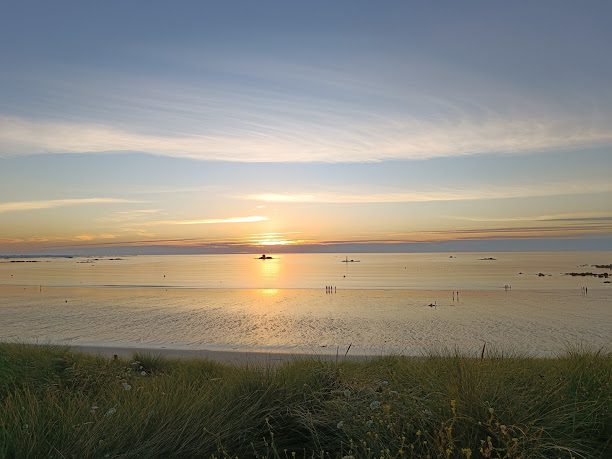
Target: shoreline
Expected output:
[223,356]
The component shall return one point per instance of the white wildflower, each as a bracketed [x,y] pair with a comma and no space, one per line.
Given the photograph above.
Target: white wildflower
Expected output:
[126,386]
[375,405]
[111,411]
[340,425]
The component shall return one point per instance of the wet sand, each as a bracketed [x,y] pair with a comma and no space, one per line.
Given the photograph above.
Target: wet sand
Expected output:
[306,321]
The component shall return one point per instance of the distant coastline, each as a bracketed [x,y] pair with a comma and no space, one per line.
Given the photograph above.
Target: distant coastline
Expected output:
[449,247]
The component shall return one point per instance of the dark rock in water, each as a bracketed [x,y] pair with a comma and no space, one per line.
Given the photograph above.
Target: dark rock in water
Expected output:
[541,274]
[602,266]
[488,258]
[606,282]
[589,274]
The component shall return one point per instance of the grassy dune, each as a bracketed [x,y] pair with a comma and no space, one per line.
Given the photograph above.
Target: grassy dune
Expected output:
[54,403]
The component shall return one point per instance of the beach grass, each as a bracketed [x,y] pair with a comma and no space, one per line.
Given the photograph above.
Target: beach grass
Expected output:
[57,403]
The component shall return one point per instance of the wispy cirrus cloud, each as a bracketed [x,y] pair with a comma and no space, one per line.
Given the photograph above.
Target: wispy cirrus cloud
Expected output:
[258,107]
[439,194]
[19,206]
[357,141]
[592,217]
[210,221]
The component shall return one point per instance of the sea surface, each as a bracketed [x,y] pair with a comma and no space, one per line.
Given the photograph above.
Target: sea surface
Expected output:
[381,303]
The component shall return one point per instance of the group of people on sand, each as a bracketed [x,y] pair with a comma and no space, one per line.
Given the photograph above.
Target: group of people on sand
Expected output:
[330,289]
[507,287]
[584,290]
[455,295]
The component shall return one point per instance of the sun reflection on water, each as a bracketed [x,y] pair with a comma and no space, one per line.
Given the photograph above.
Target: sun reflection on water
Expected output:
[269,269]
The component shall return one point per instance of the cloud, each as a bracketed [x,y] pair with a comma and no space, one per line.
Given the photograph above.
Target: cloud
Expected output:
[53,203]
[441,194]
[139,212]
[591,217]
[211,221]
[320,139]
[94,237]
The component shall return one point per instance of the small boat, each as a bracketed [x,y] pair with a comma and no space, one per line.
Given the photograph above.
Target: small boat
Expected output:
[350,261]
[265,257]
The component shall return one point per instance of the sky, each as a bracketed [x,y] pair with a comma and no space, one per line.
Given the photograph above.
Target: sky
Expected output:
[235,126]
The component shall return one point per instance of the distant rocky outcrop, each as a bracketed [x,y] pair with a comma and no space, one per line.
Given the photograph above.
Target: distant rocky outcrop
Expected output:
[589,274]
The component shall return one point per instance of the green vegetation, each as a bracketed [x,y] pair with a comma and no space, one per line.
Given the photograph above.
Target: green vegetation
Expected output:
[55,403]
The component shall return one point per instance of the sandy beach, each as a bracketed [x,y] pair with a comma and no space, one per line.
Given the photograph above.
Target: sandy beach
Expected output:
[198,311]
[232,357]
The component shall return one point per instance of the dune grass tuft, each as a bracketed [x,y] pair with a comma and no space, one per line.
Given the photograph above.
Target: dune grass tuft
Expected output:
[56,403]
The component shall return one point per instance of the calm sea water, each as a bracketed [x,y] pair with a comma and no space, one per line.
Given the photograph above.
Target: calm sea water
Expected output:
[381,305]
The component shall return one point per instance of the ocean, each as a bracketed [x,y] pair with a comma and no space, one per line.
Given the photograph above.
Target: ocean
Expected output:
[380,303]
